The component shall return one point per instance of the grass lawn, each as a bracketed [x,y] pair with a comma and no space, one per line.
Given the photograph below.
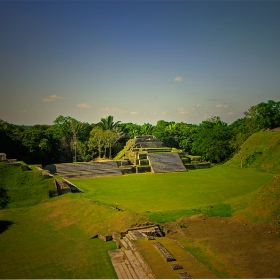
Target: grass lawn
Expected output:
[51,238]
[48,241]
[174,193]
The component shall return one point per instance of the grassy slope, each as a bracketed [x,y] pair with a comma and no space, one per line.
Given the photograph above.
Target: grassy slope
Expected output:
[24,187]
[261,205]
[262,152]
[52,239]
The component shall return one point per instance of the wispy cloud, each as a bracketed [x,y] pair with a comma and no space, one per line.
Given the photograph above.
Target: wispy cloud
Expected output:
[231,114]
[183,111]
[113,110]
[222,106]
[214,99]
[52,98]
[178,79]
[83,105]
[134,113]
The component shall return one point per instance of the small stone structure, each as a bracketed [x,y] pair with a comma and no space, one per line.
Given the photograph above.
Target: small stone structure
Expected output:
[184,275]
[3,157]
[127,260]
[25,167]
[62,188]
[165,253]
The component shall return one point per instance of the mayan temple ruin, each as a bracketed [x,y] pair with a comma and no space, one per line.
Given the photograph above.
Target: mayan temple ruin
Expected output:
[140,154]
[147,154]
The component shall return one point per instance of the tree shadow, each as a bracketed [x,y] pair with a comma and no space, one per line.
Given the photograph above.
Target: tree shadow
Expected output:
[4,225]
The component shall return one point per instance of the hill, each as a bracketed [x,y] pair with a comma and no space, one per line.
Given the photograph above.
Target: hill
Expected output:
[24,188]
[261,151]
[262,205]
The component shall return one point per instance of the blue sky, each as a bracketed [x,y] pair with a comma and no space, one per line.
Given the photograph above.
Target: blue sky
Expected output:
[140,61]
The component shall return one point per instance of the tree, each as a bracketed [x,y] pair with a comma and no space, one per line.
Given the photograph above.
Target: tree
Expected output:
[109,124]
[96,140]
[110,138]
[146,129]
[67,130]
[76,127]
[263,116]
[212,140]
[112,133]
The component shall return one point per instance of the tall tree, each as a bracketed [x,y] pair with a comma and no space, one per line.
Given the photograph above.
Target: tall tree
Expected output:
[76,127]
[146,129]
[212,140]
[263,116]
[67,130]
[96,140]
[109,124]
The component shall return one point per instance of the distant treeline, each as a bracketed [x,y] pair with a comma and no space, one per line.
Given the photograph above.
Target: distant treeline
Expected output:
[68,139]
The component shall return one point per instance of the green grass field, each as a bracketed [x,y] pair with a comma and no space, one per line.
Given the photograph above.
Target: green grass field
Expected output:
[166,197]
[51,238]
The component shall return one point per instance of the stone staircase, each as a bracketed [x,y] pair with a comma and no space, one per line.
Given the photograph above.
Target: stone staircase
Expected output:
[127,261]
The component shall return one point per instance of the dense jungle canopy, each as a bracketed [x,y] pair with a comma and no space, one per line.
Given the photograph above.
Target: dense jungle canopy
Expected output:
[68,139]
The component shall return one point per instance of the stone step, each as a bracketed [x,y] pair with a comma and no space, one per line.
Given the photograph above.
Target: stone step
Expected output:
[144,265]
[131,236]
[129,243]
[124,244]
[137,267]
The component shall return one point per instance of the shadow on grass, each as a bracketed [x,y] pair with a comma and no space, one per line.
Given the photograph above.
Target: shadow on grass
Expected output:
[4,225]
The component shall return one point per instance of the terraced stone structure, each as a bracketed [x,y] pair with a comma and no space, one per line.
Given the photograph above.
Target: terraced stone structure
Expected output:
[141,154]
[148,154]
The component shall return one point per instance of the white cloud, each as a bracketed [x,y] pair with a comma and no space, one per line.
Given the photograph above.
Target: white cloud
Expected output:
[113,110]
[52,98]
[164,113]
[178,79]
[83,105]
[183,111]
[134,113]
[222,106]
[230,114]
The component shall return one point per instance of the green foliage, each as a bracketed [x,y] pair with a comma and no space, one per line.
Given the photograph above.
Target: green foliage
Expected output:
[102,140]
[109,124]
[212,140]
[67,139]
[263,116]
[146,129]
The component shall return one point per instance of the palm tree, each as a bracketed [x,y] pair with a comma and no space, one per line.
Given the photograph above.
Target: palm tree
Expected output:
[108,124]
[112,132]
[76,127]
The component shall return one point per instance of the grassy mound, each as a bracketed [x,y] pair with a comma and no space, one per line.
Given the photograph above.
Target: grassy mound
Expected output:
[261,151]
[262,205]
[24,187]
